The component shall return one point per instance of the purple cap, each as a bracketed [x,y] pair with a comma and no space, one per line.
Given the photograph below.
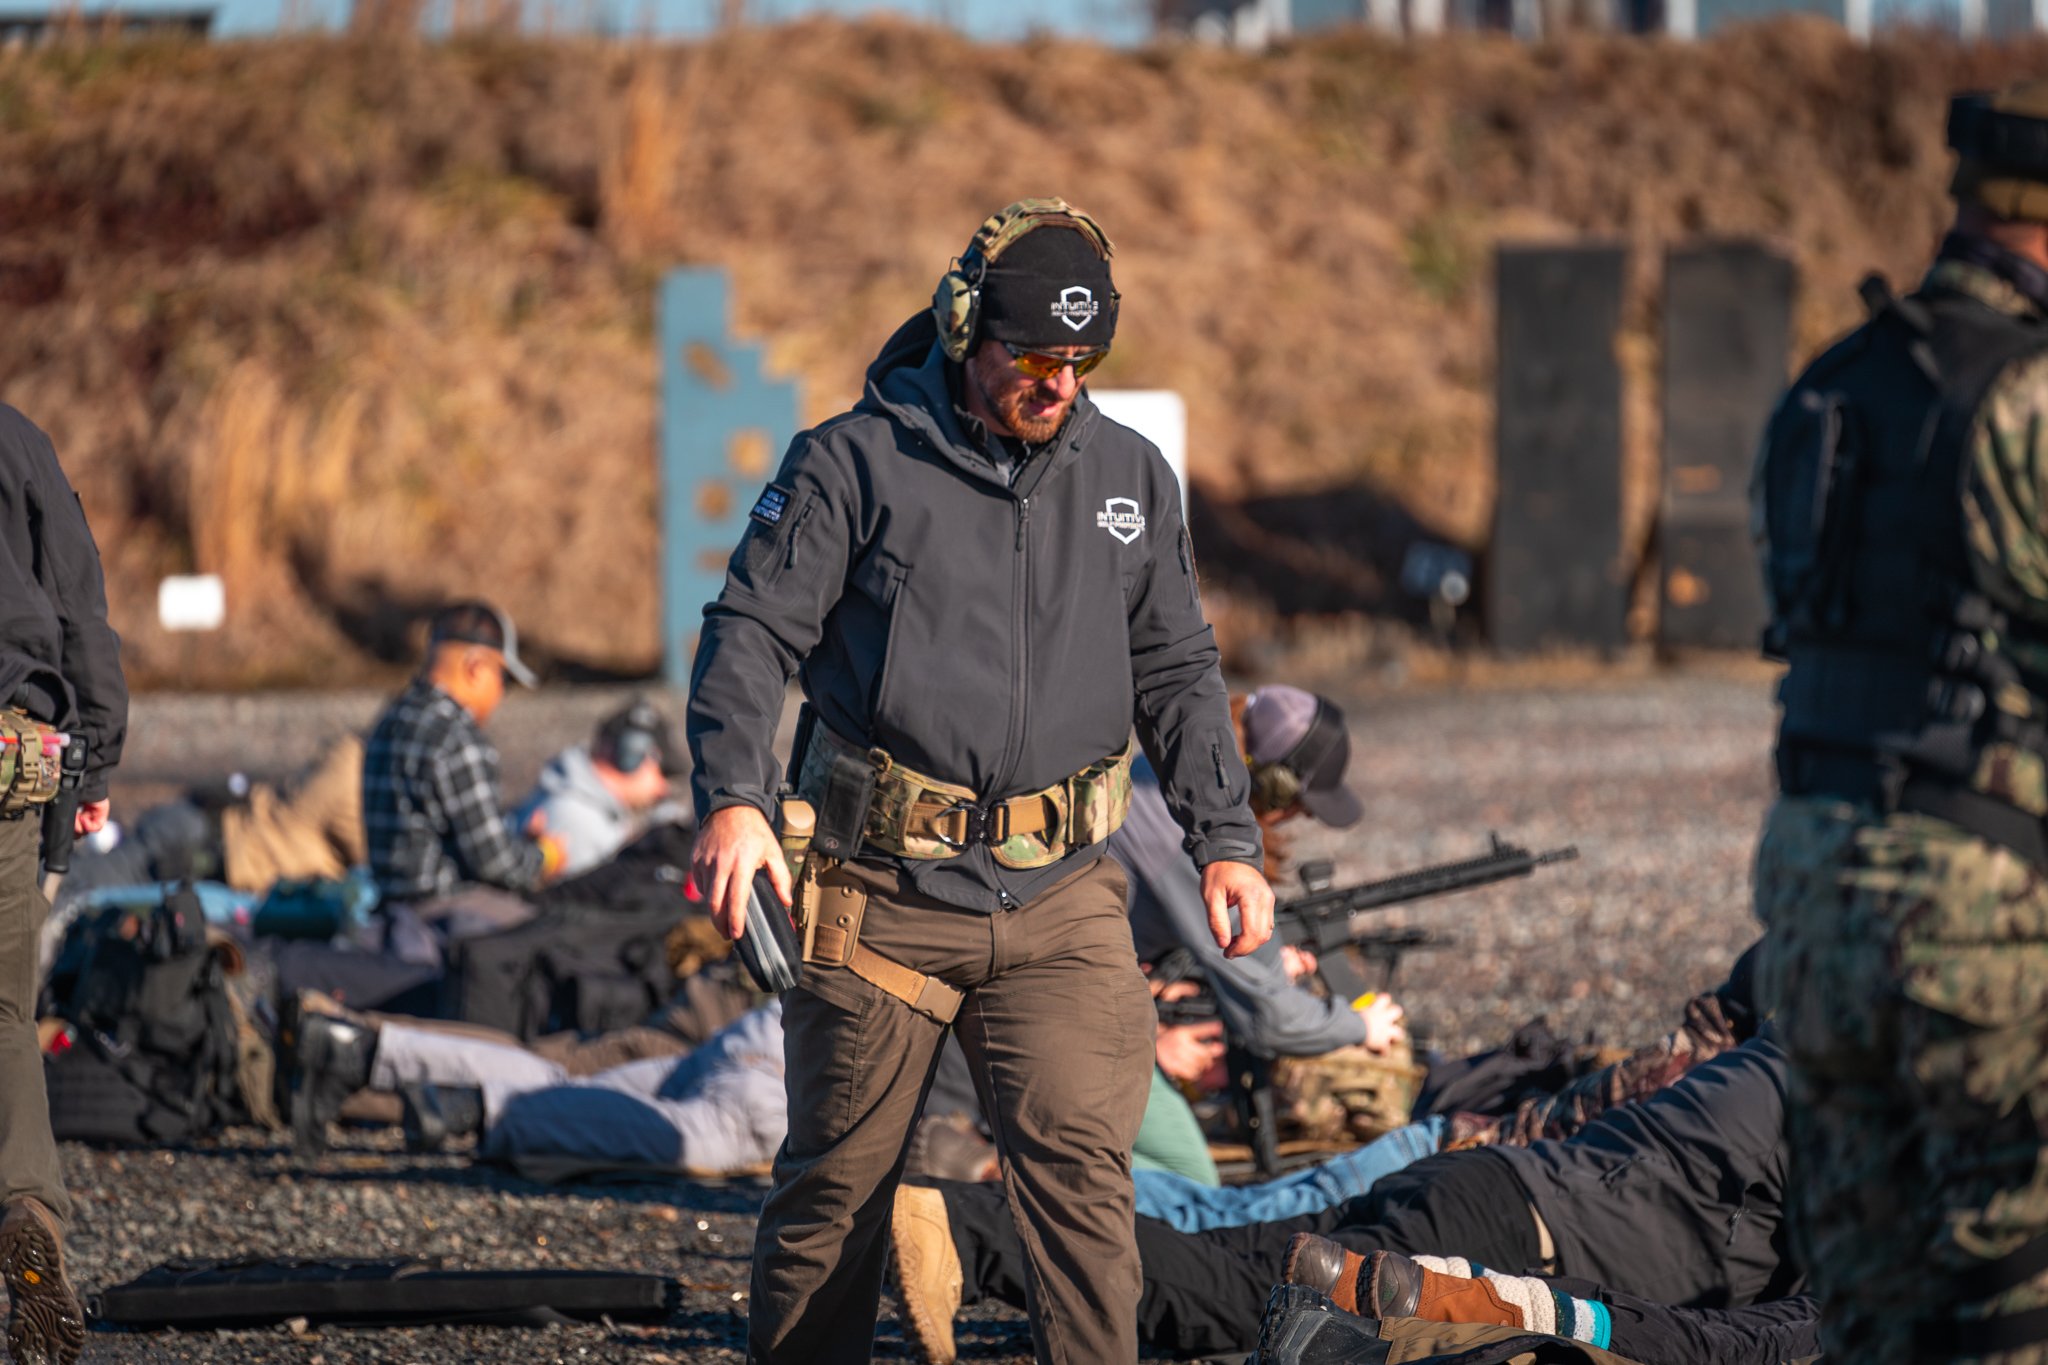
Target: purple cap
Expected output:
[1305,733]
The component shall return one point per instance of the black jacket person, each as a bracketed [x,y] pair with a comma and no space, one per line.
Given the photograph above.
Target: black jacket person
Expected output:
[982,582]
[59,660]
[60,666]
[1677,1200]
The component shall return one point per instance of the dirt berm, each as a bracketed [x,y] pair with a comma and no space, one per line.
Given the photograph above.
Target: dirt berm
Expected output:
[359,323]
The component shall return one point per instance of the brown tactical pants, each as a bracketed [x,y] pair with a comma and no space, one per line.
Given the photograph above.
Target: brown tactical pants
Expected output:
[1058,1028]
[28,1154]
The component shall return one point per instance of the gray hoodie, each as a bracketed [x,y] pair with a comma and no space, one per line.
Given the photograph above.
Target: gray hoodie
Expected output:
[579,810]
[1001,637]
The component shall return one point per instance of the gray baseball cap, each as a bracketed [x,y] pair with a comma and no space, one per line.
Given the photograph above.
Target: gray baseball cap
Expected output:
[1305,733]
[480,623]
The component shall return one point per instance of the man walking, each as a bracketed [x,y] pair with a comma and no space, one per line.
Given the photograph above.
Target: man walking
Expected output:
[981,581]
[60,672]
[1900,874]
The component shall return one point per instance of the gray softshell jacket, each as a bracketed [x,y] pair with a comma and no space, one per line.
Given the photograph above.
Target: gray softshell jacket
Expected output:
[1000,637]
[1259,1004]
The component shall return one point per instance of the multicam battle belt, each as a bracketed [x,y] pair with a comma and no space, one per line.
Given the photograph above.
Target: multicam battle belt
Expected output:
[914,816]
[31,762]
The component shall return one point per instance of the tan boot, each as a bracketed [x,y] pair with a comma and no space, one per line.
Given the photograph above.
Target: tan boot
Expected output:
[45,1323]
[928,1277]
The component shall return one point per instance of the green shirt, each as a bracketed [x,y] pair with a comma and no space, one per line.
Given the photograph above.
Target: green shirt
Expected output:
[1170,1139]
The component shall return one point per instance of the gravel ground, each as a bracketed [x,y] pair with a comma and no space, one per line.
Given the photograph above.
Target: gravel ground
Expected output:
[1659,780]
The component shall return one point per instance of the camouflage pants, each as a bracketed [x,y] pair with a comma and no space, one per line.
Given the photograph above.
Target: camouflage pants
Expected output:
[1906,964]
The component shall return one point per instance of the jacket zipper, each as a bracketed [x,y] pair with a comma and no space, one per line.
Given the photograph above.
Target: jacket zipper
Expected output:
[795,534]
[1020,694]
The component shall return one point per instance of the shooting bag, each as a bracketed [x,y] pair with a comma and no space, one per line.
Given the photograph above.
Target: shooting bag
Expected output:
[1535,1062]
[254,1292]
[594,959]
[158,1049]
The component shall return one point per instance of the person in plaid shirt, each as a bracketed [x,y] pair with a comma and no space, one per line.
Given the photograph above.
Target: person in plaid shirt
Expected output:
[446,862]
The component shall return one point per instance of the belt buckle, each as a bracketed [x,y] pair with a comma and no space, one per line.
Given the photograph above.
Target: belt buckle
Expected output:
[981,824]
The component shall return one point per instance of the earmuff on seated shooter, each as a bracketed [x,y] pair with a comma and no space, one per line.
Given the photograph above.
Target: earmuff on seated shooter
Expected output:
[956,303]
[1278,785]
[635,737]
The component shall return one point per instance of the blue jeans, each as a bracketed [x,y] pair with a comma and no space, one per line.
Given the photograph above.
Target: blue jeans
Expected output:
[1189,1207]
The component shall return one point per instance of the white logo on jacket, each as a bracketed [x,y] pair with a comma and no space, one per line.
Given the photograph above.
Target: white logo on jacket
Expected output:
[1122,519]
[1076,306]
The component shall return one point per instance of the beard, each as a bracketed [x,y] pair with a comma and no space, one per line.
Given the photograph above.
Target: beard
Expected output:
[1010,401]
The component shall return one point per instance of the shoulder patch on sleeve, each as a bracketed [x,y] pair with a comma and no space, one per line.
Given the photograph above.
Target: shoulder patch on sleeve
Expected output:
[772,503]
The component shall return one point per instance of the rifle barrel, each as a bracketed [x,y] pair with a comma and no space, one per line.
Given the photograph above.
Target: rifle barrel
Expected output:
[1325,919]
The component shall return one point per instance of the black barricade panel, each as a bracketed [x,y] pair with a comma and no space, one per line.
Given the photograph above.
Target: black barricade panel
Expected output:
[1554,577]
[1727,321]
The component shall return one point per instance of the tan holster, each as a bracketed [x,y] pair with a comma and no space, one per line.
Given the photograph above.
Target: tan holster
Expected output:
[830,907]
[30,770]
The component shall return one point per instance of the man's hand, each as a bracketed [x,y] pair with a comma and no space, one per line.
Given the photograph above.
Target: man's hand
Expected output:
[1226,884]
[1298,963]
[1185,1052]
[90,818]
[1382,1018]
[734,844]
[554,854]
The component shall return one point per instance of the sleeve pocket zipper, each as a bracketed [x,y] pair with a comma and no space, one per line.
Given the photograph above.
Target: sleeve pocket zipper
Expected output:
[796,534]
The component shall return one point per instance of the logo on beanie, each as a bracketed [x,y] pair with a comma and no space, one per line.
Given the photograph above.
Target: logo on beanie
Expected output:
[1075,306]
[1122,519]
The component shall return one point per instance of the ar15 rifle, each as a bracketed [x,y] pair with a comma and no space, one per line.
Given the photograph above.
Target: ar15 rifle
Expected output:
[1326,920]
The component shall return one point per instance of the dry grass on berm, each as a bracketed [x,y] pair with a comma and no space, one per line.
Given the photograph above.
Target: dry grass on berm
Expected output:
[356,320]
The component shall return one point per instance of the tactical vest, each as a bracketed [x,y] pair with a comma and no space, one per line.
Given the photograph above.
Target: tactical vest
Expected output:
[1901,674]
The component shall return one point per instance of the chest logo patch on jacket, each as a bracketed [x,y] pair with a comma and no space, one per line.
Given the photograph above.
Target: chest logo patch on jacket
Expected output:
[1122,519]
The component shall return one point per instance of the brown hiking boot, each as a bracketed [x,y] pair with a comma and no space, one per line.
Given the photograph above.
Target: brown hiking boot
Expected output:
[928,1277]
[1320,1264]
[45,1323]
[1396,1287]
[1393,1286]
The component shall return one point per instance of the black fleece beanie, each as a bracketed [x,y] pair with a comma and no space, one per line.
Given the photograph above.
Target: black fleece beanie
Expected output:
[1049,288]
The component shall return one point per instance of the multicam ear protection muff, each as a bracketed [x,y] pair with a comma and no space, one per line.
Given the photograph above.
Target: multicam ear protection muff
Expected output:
[1275,786]
[956,303]
[1278,785]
